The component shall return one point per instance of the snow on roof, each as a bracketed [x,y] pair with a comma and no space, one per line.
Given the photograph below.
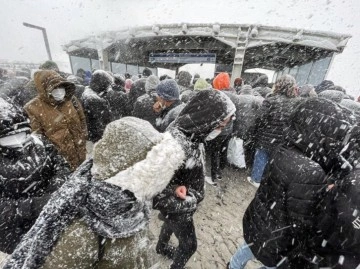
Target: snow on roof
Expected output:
[257,35]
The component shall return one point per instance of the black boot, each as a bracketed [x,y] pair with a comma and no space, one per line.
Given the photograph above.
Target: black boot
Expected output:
[165,250]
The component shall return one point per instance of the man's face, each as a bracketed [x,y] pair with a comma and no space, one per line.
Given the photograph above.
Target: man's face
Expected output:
[159,105]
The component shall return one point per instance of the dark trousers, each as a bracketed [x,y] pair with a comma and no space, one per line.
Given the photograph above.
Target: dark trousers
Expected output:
[184,230]
[218,155]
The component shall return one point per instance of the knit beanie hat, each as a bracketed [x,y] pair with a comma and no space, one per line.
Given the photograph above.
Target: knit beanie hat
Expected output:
[49,65]
[151,83]
[222,81]
[124,143]
[201,84]
[168,90]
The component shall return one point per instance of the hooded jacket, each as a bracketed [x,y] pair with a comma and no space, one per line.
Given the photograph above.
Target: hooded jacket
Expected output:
[28,176]
[106,200]
[281,220]
[62,123]
[143,107]
[101,104]
[196,120]
[184,81]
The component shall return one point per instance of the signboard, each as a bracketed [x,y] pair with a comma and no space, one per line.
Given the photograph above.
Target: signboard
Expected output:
[184,58]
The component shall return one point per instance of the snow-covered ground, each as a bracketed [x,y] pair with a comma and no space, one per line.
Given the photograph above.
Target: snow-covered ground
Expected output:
[218,223]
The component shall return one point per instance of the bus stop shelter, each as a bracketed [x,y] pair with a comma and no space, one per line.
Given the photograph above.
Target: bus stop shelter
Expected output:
[305,54]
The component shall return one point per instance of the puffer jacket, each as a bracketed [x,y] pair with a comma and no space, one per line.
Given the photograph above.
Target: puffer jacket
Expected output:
[63,123]
[272,121]
[28,177]
[281,221]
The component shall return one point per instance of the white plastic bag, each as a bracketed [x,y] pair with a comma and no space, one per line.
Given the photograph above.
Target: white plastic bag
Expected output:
[235,152]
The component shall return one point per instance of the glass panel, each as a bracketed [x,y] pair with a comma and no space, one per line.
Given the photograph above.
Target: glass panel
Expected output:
[118,68]
[79,62]
[303,74]
[132,69]
[293,71]
[95,64]
[319,70]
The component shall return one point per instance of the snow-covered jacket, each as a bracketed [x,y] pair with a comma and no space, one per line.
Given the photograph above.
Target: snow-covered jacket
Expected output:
[109,194]
[247,106]
[351,105]
[28,176]
[102,104]
[338,227]
[196,120]
[143,107]
[62,123]
[281,221]
[333,95]
[272,121]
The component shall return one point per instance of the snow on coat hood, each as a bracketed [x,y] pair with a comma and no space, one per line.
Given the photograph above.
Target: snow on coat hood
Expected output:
[101,81]
[333,95]
[203,113]
[12,119]
[327,134]
[136,157]
[324,85]
[184,78]
[261,81]
[47,80]
[151,83]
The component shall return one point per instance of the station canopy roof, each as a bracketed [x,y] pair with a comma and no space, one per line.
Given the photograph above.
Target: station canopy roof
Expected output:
[267,47]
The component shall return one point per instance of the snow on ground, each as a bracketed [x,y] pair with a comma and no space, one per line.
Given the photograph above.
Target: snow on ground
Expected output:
[218,223]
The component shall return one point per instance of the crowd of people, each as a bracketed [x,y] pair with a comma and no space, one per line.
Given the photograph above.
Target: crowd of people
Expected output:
[85,157]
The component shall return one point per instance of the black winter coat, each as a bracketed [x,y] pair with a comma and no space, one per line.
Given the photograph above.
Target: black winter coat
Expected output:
[284,207]
[272,121]
[101,109]
[27,180]
[196,120]
[338,228]
[143,108]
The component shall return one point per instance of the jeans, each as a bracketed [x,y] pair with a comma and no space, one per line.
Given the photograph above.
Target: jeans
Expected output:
[242,256]
[260,161]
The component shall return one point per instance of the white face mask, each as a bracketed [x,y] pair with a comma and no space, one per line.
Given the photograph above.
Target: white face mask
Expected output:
[14,141]
[58,94]
[213,134]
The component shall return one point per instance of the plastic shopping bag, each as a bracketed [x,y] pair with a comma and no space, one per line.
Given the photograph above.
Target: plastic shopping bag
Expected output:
[235,152]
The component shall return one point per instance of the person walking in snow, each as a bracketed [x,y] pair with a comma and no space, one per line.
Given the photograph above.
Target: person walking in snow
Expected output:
[99,217]
[58,115]
[282,221]
[31,170]
[202,118]
[168,104]
[271,124]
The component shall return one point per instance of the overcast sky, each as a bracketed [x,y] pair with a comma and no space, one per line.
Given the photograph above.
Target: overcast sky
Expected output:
[66,20]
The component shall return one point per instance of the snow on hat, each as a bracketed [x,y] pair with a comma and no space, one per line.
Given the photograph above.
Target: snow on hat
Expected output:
[168,90]
[49,65]
[124,142]
[151,83]
[201,84]
[333,95]
[134,156]
[222,81]
[246,89]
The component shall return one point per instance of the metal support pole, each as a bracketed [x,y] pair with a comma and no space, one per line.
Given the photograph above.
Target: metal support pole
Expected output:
[44,35]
